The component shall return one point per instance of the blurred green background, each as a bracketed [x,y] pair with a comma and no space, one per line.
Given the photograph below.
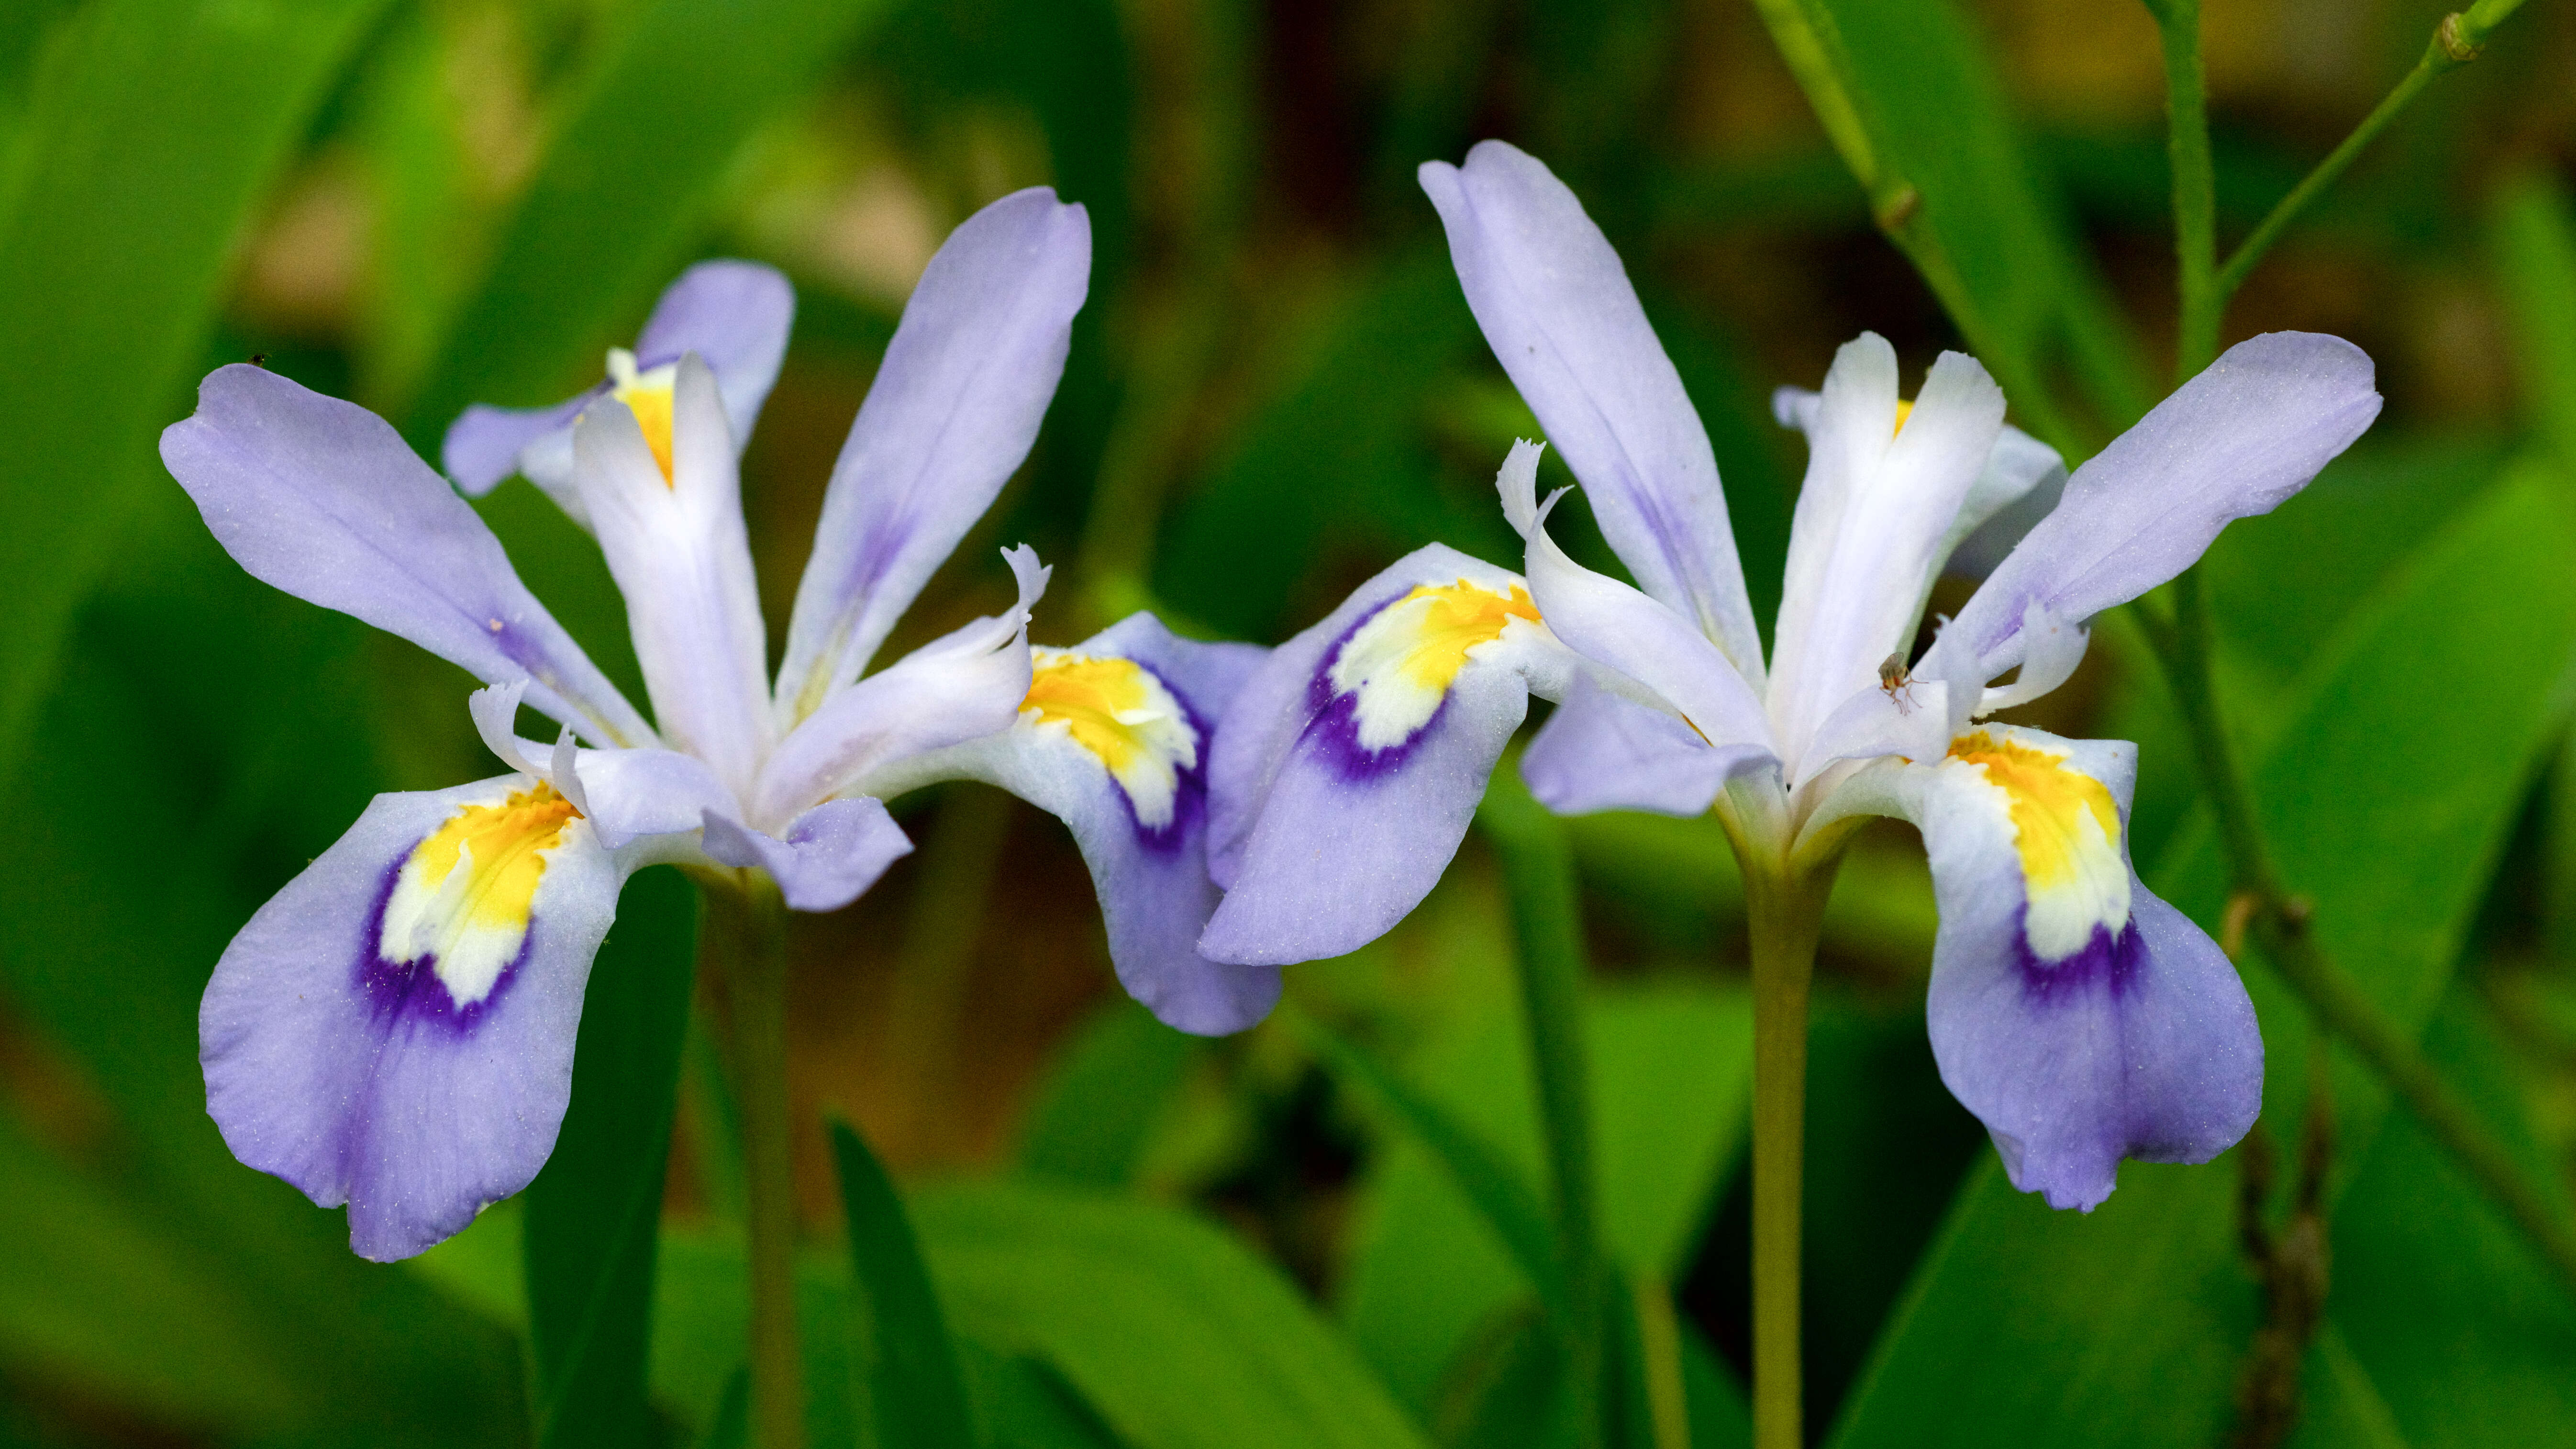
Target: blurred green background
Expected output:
[1140,1238]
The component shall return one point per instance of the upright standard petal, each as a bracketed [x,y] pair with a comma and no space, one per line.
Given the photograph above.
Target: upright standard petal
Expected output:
[736,315]
[320,498]
[1113,739]
[961,687]
[1558,310]
[2079,1017]
[1349,766]
[2231,443]
[1886,486]
[955,407]
[394,1030]
[662,492]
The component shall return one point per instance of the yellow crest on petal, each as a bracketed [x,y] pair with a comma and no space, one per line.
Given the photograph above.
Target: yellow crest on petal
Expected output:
[468,891]
[648,396]
[2066,830]
[1117,710]
[1401,663]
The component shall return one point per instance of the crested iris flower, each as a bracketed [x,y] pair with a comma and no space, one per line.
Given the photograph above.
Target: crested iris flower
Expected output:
[395,1029]
[2081,1018]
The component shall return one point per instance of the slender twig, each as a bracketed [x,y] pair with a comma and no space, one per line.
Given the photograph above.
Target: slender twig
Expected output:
[2279,923]
[746,921]
[1538,873]
[2456,42]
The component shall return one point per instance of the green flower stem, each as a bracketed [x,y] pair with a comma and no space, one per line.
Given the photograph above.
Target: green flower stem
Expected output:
[1538,873]
[2280,926]
[2456,42]
[1783,915]
[2195,189]
[745,944]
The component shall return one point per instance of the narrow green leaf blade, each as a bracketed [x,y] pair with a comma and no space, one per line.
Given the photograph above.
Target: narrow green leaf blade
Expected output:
[2126,1327]
[153,131]
[593,1216]
[903,1366]
[2533,227]
[1175,1333]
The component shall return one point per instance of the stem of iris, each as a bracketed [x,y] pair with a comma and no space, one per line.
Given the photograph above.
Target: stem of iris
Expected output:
[743,954]
[1784,898]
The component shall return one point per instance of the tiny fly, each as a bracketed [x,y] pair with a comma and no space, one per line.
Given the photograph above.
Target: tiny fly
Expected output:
[1898,684]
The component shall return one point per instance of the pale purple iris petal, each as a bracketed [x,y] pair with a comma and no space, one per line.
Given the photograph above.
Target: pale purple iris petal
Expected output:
[1276,705]
[1912,721]
[954,409]
[825,859]
[1558,310]
[320,498]
[1876,518]
[1151,873]
[2231,443]
[483,445]
[1639,641]
[1340,850]
[2139,1041]
[2022,484]
[362,1080]
[736,315]
[677,548]
[957,688]
[1603,752]
[1325,827]
[635,795]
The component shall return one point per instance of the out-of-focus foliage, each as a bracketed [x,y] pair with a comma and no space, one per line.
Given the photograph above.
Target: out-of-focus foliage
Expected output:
[1095,1232]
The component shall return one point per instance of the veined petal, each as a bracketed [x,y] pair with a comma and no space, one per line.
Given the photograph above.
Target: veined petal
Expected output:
[394,1030]
[1886,487]
[1557,307]
[954,408]
[2022,484]
[736,315]
[961,687]
[667,505]
[320,498]
[1601,751]
[2231,443]
[1113,740]
[826,857]
[1365,744]
[2079,1017]
[1643,647]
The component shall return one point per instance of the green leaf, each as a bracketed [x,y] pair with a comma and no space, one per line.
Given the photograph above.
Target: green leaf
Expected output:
[2386,797]
[1102,1099]
[904,1375]
[2464,1333]
[616,204]
[2533,232]
[1671,1069]
[154,129]
[1175,1333]
[594,1214]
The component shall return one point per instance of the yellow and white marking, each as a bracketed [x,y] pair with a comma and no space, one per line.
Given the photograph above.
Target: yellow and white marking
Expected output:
[1122,714]
[467,892]
[648,395]
[2066,830]
[1400,664]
